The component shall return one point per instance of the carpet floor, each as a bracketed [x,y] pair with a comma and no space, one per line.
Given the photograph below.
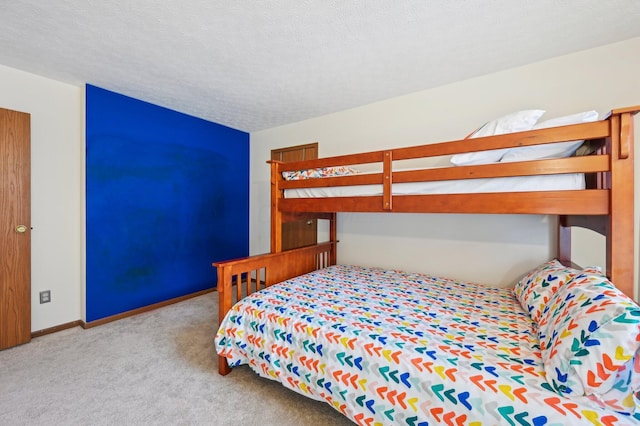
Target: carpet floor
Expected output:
[156,368]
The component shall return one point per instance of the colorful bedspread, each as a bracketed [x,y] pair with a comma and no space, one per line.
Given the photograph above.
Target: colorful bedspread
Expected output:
[389,347]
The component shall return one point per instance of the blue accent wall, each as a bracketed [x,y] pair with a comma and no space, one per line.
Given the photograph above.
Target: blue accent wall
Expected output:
[167,195]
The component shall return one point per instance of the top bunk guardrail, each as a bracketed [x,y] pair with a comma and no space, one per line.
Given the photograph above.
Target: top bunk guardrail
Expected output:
[609,168]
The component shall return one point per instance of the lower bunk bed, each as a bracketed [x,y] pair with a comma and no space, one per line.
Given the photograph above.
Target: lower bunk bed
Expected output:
[391,347]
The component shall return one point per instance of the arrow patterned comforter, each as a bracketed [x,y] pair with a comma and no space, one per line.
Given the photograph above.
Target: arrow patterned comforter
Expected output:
[390,347]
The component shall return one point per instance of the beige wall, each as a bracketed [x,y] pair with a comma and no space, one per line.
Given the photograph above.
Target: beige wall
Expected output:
[57,191]
[490,249]
[493,249]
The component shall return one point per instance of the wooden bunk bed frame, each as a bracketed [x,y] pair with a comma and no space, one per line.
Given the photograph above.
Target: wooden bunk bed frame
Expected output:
[605,206]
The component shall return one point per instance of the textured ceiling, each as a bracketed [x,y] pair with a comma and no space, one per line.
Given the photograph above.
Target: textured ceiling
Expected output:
[255,64]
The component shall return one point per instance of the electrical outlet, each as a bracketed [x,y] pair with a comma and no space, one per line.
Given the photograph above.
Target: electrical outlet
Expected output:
[45,296]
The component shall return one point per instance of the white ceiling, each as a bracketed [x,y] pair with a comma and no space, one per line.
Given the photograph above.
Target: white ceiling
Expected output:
[256,64]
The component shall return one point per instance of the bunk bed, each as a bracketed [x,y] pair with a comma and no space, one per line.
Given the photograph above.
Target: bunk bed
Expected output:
[395,347]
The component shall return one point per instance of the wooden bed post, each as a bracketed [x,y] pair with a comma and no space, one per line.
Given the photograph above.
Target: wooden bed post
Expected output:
[276,214]
[620,241]
[564,240]
[333,236]
[225,301]
[618,226]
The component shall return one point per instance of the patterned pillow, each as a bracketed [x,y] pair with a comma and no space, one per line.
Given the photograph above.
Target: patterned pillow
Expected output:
[623,395]
[589,338]
[319,173]
[537,287]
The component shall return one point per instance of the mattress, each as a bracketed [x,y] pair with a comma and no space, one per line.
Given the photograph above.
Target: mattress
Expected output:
[572,181]
[398,348]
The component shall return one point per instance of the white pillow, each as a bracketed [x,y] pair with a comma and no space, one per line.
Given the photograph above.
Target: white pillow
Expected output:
[553,150]
[514,122]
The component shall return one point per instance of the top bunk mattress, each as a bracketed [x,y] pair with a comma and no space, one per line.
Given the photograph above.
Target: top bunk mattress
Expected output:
[559,182]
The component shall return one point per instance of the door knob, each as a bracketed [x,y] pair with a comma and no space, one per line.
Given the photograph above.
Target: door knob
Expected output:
[21,228]
[310,222]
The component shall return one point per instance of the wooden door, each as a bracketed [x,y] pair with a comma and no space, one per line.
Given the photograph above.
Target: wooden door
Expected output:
[304,232]
[15,228]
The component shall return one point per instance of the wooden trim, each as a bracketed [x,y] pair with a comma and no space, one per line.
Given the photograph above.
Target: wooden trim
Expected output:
[563,248]
[50,330]
[333,236]
[387,182]
[293,216]
[144,309]
[276,213]
[586,164]
[306,146]
[595,223]
[594,130]
[122,315]
[588,201]
[633,110]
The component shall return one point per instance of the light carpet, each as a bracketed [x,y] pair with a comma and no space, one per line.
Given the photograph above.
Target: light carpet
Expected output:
[156,368]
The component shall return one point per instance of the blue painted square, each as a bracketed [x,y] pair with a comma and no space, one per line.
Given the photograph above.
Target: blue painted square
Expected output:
[167,195]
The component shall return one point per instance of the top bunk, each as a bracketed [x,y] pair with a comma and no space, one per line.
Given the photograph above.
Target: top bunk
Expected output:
[575,185]
[591,188]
